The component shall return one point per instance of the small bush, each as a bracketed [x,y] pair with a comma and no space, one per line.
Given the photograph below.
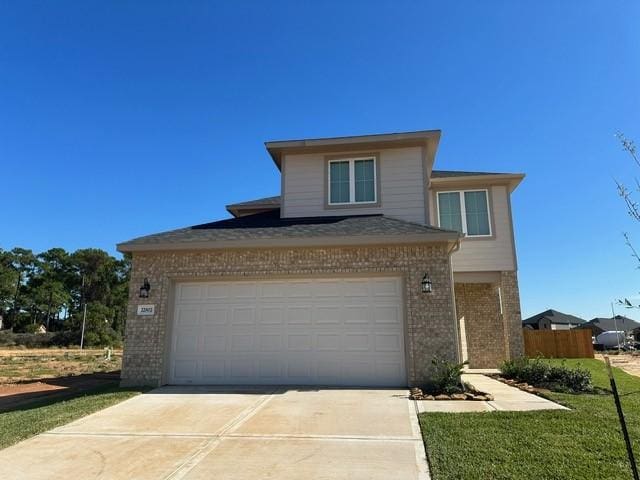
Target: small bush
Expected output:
[446,378]
[541,374]
[29,340]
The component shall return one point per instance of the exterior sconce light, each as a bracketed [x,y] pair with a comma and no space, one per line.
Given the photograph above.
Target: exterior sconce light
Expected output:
[427,285]
[145,288]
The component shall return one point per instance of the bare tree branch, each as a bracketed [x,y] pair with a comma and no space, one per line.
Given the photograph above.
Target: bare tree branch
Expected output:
[634,252]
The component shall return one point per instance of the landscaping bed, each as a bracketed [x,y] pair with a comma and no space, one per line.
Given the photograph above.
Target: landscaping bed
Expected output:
[468,394]
[446,384]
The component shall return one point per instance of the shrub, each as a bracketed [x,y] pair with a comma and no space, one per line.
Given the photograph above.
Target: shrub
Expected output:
[446,377]
[540,374]
[29,340]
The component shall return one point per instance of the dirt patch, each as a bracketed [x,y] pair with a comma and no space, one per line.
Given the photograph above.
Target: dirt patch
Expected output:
[33,375]
[629,362]
[15,395]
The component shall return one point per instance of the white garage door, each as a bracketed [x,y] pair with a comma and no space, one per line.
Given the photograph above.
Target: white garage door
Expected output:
[304,332]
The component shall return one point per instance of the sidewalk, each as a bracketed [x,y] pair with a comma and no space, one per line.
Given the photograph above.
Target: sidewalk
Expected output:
[505,398]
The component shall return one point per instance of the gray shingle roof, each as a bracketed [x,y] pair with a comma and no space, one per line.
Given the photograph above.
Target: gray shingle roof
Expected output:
[269,226]
[554,317]
[622,323]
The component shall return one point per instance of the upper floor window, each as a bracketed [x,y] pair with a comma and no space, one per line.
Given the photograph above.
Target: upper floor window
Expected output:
[352,180]
[466,211]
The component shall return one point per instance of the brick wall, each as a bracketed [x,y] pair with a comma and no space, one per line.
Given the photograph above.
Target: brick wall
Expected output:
[511,313]
[490,336]
[477,305]
[431,328]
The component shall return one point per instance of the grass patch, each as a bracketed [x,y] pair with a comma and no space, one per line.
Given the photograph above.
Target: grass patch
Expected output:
[25,422]
[584,443]
[20,365]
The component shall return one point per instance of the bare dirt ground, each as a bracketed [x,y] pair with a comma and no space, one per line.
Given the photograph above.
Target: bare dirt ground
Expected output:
[628,362]
[33,374]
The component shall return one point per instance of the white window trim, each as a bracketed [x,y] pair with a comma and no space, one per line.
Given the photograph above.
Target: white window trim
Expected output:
[463,210]
[352,181]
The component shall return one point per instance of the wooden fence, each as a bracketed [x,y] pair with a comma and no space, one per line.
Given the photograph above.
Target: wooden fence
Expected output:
[574,343]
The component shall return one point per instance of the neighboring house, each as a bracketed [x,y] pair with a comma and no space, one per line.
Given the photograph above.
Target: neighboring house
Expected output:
[552,320]
[367,265]
[618,323]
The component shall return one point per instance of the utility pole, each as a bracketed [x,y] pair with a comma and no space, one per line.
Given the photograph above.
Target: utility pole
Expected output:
[615,325]
[84,314]
[49,306]
[15,300]
[84,320]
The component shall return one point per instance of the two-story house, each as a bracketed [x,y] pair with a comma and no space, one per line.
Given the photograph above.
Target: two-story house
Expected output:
[368,265]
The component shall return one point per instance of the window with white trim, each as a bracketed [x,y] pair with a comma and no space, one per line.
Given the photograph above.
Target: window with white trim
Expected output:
[465,211]
[352,181]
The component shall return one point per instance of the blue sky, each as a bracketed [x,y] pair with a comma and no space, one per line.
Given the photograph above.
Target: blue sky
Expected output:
[119,119]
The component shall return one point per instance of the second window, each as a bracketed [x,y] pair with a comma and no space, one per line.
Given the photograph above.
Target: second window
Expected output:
[352,180]
[465,211]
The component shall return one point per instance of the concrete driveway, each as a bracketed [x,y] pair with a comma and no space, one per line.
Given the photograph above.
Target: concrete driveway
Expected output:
[204,433]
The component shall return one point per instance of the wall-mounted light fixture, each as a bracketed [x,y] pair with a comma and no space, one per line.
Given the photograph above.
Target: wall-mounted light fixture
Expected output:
[145,288]
[427,285]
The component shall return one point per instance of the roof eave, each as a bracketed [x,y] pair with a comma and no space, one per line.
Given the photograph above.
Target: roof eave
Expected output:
[235,210]
[292,242]
[277,148]
[512,180]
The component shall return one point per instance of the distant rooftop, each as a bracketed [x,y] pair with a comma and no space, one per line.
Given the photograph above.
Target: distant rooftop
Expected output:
[554,316]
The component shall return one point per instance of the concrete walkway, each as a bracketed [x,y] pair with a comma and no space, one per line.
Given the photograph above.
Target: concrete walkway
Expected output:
[505,398]
[241,434]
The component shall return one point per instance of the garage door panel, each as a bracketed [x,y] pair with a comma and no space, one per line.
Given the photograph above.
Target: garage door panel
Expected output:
[299,370]
[328,342]
[387,314]
[387,342]
[189,292]
[271,343]
[272,315]
[185,369]
[270,369]
[188,316]
[213,369]
[299,315]
[243,315]
[244,291]
[242,368]
[187,342]
[298,289]
[214,343]
[355,289]
[327,315]
[356,314]
[242,343]
[217,291]
[327,332]
[216,316]
[299,343]
[326,289]
[357,342]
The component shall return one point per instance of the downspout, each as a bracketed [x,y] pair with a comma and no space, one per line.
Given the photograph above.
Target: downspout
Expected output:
[454,248]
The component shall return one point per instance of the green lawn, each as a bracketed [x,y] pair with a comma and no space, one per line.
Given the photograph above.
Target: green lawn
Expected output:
[584,443]
[27,421]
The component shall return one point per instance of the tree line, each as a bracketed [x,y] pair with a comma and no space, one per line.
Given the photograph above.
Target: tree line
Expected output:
[53,288]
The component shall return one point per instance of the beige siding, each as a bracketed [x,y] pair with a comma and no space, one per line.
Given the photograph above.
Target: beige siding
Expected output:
[401,185]
[495,253]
